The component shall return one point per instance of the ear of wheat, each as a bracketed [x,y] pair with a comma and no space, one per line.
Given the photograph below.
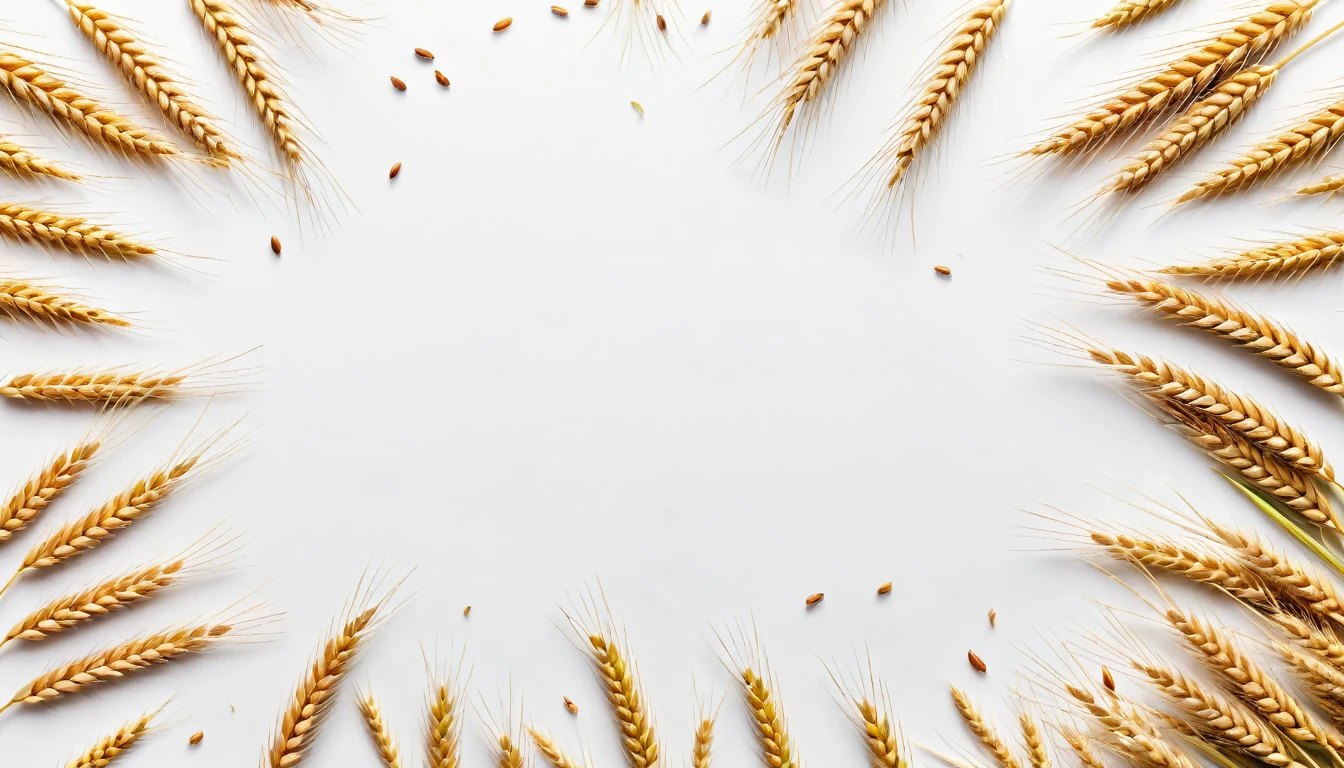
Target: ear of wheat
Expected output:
[508,751]
[554,755]
[1310,252]
[383,740]
[1322,682]
[122,386]
[772,732]
[983,730]
[610,662]
[111,595]
[1309,636]
[112,746]
[34,86]
[25,165]
[773,23]
[1082,747]
[1327,185]
[955,65]
[1126,730]
[148,74]
[1182,78]
[44,486]
[703,748]
[72,233]
[23,300]
[445,724]
[1035,742]
[1128,12]
[307,708]
[1292,582]
[1225,573]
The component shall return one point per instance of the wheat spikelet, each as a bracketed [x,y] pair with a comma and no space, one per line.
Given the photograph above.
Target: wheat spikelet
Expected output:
[552,752]
[983,730]
[123,386]
[1127,12]
[307,708]
[1128,731]
[25,165]
[1237,412]
[113,594]
[149,75]
[1327,185]
[1224,722]
[1252,331]
[704,741]
[610,662]
[1323,683]
[1204,120]
[1312,251]
[1082,747]
[383,740]
[1182,78]
[1310,636]
[119,661]
[1245,679]
[868,706]
[256,73]
[72,233]
[110,747]
[508,751]
[444,723]
[23,300]
[1227,574]
[771,24]
[32,85]
[1290,581]
[1035,742]
[938,94]
[44,486]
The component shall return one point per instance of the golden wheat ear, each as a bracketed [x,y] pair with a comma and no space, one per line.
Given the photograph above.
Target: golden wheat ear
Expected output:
[34,302]
[1127,13]
[23,164]
[867,704]
[443,722]
[1126,729]
[115,744]
[129,386]
[552,752]
[744,655]
[46,485]
[383,739]
[1285,259]
[983,730]
[75,234]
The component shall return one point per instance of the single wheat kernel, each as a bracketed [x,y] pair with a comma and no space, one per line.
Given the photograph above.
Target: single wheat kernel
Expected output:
[662,23]
[275,245]
[638,107]
[1106,678]
[396,169]
[571,706]
[441,78]
[814,599]
[976,662]
[590,3]
[558,11]
[422,53]
[704,19]
[196,738]
[993,617]
[398,83]
[466,611]
[944,271]
[503,23]
[884,589]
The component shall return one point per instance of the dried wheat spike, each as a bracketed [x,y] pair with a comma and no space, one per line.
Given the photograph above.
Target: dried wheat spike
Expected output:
[72,233]
[1312,251]
[1323,683]
[983,729]
[1237,412]
[939,93]
[1082,747]
[772,24]
[884,749]
[25,165]
[1225,573]
[148,74]
[1128,12]
[43,487]
[113,594]
[1226,723]
[256,72]
[1201,123]
[1183,78]
[1309,635]
[1245,678]
[639,742]
[445,724]
[1299,585]
[1128,731]
[704,741]
[23,300]
[554,755]
[1327,185]
[32,85]
[772,731]
[378,730]
[1252,331]
[119,386]
[308,707]
[110,747]
[1035,742]
[508,752]
[119,661]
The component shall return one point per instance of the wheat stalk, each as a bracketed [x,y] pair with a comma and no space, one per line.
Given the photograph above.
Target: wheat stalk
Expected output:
[1082,747]
[1289,580]
[1225,723]
[704,741]
[383,739]
[111,595]
[1245,679]
[28,301]
[552,752]
[112,746]
[1252,331]
[983,730]
[307,708]
[955,65]
[25,165]
[149,75]
[1312,251]
[1237,412]
[72,233]
[31,84]
[639,741]
[44,486]
[1127,730]
[445,724]
[255,72]
[1127,12]
[1227,574]
[1182,78]
[119,661]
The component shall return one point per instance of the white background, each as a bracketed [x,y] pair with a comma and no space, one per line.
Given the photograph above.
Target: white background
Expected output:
[571,345]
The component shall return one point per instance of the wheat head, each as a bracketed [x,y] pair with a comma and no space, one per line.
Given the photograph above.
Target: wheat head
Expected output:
[383,740]
[72,233]
[983,730]
[112,746]
[23,300]
[32,85]
[100,388]
[1182,78]
[149,75]
[1326,185]
[938,94]
[1128,731]
[772,731]
[771,24]
[1202,122]
[1225,573]
[1279,259]
[255,72]
[1034,741]
[639,742]
[1082,747]
[704,741]
[1322,682]
[445,724]
[884,749]
[508,752]
[1290,581]
[554,755]
[119,661]
[68,611]
[1237,412]
[1310,636]
[44,486]
[1127,12]
[25,165]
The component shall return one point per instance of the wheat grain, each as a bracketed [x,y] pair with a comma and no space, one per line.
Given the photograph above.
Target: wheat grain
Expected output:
[983,730]
[1082,747]
[1035,742]
[72,233]
[113,594]
[1295,583]
[1312,251]
[444,723]
[1128,12]
[639,741]
[32,85]
[44,486]
[1327,185]
[24,164]
[112,746]
[383,740]
[118,661]
[149,75]
[1182,78]
[23,300]
[955,65]
[1127,730]
[552,752]
[704,741]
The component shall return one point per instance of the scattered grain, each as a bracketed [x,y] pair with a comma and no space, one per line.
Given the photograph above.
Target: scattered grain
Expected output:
[944,271]
[441,78]
[993,617]
[976,662]
[396,170]
[590,3]
[704,19]
[638,107]
[422,53]
[814,599]
[662,23]
[398,83]
[275,245]
[558,11]
[1106,678]
[196,738]
[571,706]
[503,23]
[884,589]
[466,611]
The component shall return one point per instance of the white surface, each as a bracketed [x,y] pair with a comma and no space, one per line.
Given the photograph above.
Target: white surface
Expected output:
[571,344]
